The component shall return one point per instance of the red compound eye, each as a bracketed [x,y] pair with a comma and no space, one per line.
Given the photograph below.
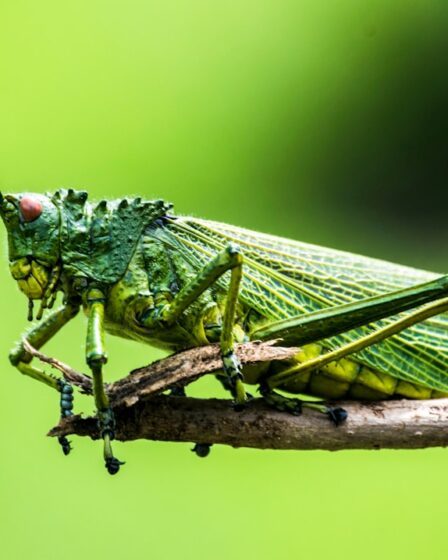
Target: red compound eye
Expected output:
[30,208]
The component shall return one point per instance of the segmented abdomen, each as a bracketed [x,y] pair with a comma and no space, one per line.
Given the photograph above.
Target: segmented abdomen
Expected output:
[347,378]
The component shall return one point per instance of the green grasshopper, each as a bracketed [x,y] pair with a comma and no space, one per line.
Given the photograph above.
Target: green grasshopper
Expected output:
[366,329]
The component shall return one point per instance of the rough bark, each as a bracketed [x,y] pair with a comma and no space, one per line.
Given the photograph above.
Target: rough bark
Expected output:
[393,424]
[143,413]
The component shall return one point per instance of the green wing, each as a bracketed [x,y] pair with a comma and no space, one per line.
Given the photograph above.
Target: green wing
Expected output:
[284,278]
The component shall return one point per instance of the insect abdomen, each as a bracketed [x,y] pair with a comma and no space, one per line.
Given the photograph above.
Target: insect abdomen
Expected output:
[347,378]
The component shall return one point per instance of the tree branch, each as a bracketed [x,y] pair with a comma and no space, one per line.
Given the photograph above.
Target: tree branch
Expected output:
[394,424]
[143,413]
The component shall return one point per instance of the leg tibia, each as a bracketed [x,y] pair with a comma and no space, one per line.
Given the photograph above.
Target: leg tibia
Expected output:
[38,374]
[96,357]
[42,333]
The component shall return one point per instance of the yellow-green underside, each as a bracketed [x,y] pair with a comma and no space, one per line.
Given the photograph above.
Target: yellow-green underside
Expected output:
[345,378]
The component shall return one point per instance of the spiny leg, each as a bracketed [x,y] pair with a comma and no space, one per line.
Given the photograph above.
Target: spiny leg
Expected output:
[37,337]
[421,314]
[294,406]
[232,365]
[167,314]
[96,357]
[337,319]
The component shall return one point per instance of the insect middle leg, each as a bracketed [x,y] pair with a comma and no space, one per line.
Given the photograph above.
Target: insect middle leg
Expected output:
[232,365]
[167,315]
[96,357]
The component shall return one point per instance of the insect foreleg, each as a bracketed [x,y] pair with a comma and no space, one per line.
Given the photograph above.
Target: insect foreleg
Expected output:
[96,357]
[37,337]
[229,259]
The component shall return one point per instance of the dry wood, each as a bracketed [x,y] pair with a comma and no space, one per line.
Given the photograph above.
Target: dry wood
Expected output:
[393,424]
[142,412]
[176,370]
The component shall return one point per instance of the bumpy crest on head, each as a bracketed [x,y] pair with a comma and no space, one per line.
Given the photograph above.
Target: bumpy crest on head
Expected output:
[99,240]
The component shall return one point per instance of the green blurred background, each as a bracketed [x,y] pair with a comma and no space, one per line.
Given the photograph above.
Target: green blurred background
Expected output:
[320,121]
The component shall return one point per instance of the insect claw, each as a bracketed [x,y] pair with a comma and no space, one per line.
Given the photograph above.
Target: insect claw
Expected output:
[178,392]
[238,406]
[113,465]
[65,445]
[337,415]
[202,449]
[106,424]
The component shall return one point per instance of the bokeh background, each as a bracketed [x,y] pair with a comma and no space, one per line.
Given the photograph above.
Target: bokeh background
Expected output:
[316,120]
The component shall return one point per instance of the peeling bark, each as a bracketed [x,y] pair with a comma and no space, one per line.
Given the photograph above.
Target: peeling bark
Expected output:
[143,413]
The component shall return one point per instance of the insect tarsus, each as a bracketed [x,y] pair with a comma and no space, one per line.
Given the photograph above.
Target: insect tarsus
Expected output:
[66,406]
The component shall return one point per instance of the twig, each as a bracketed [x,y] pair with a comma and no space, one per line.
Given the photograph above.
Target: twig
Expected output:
[176,370]
[72,376]
[394,424]
[141,412]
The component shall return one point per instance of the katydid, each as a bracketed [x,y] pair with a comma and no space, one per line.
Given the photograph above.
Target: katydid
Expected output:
[367,329]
